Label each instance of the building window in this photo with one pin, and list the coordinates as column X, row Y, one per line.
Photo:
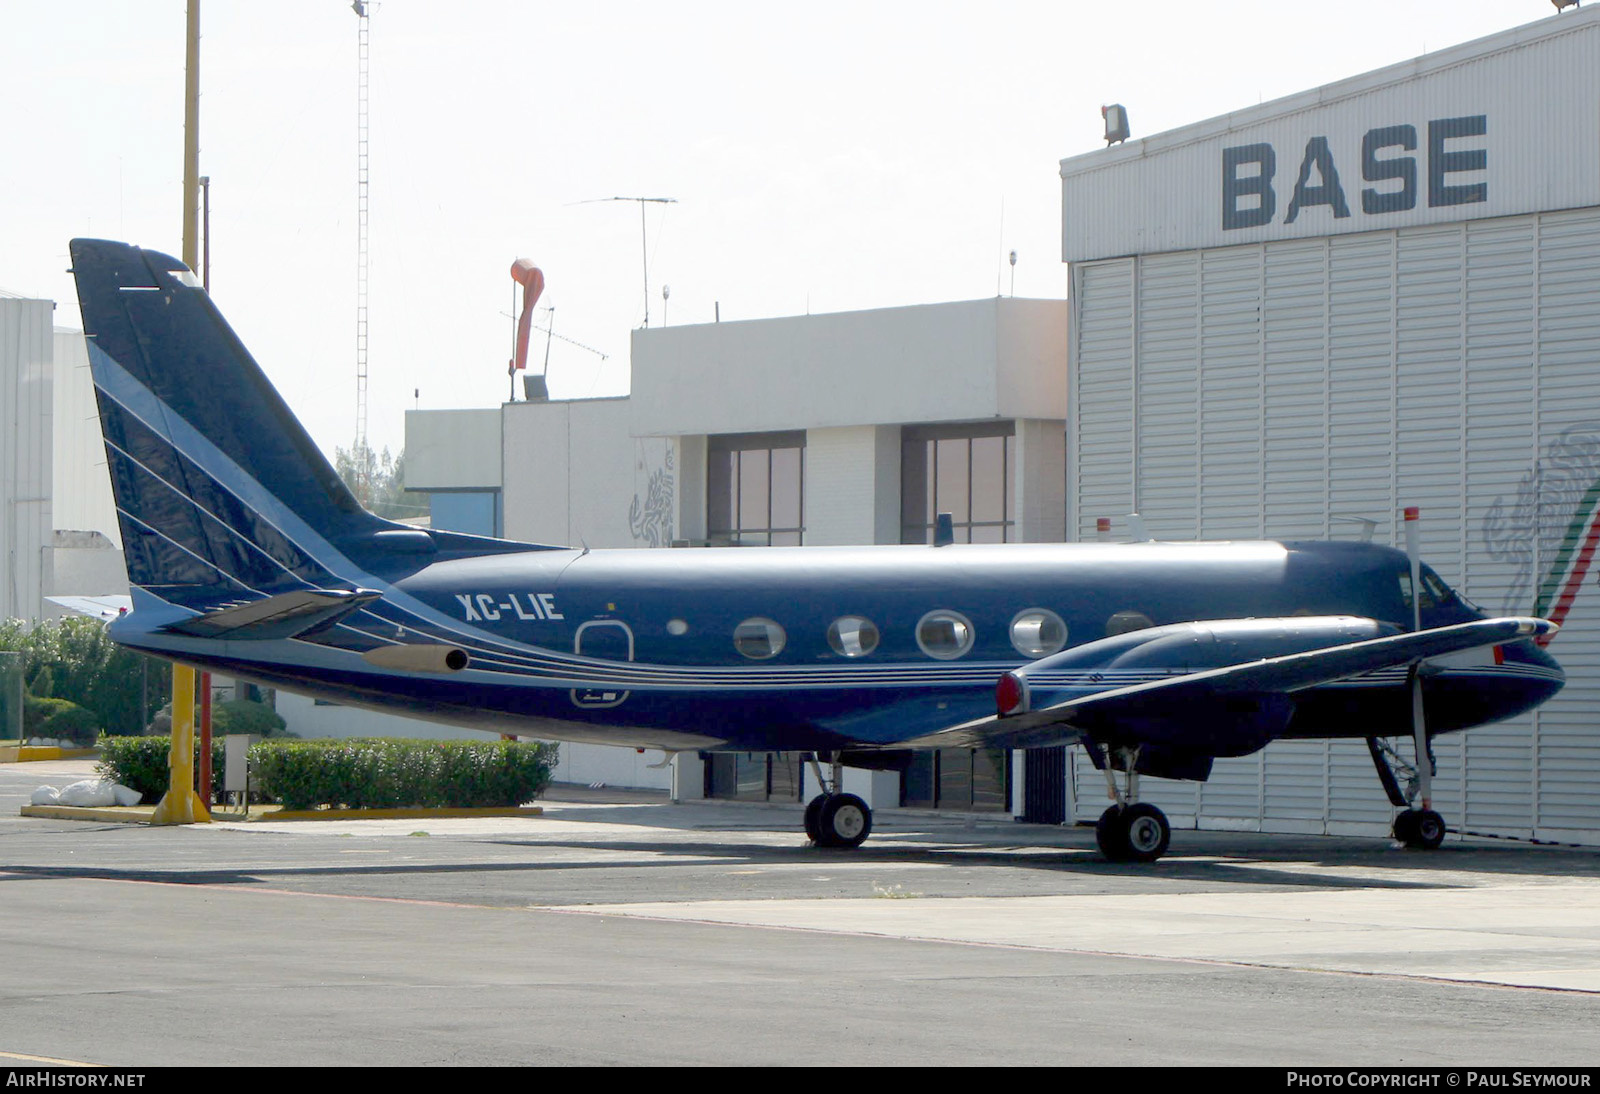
column 976, row 779
column 755, row 489
column 474, row 511
column 753, row 776
column 968, row 471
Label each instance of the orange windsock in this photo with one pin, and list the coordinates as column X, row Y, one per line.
column 531, row 278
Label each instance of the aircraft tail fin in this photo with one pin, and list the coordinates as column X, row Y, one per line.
column 217, row 486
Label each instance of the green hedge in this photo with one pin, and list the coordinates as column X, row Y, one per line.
column 141, row 763
column 387, row 774
column 355, row 774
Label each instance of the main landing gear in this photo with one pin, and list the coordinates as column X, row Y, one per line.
column 1131, row 830
column 1422, row 828
column 835, row 819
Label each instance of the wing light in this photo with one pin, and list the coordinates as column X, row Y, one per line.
column 1010, row 695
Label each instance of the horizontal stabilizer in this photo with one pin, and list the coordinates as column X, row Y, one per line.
column 281, row 616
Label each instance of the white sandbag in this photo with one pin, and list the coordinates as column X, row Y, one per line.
column 89, row 792
column 45, row 795
column 126, row 795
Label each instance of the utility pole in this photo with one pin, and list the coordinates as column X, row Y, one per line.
column 180, row 804
column 191, row 139
column 363, row 12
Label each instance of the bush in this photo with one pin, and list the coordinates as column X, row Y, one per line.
column 233, row 716
column 73, row 725
column 356, row 774
column 378, row 774
column 75, row 659
column 246, row 716
column 142, row 764
column 37, row 713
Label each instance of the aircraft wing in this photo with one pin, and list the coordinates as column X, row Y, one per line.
column 1255, row 692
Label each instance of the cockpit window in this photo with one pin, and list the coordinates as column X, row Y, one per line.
column 1434, row 591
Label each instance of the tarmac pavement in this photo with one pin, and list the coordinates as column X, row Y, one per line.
column 619, row 928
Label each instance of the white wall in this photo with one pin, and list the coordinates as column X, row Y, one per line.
column 25, row 456
column 1536, row 88
column 81, row 491
column 852, row 485
column 574, row 476
column 996, row 358
column 1040, row 485
column 452, row 449
column 84, row 564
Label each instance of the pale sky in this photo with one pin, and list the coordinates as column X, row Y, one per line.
column 824, row 157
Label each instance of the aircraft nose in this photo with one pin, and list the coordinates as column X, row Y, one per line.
column 1541, row 672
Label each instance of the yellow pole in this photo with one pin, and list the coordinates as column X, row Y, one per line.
column 180, row 804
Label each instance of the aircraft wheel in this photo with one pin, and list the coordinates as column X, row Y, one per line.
column 843, row 820
column 813, row 818
column 1148, row 832
column 1423, row 830
column 1112, row 837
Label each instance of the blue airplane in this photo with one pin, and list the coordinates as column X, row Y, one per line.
column 248, row 556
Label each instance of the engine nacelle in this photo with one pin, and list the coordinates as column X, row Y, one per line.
column 418, row 658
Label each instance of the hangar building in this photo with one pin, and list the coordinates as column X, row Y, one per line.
column 1379, row 293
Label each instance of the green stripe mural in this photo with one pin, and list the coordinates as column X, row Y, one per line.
column 1558, row 501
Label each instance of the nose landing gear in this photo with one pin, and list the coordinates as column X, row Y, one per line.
column 1422, row 829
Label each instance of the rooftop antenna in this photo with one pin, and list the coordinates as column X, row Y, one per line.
column 1013, row 273
column 643, row 239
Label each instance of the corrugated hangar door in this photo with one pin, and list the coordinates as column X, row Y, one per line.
column 1280, row 390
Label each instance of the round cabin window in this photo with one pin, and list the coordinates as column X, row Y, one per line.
column 853, row 636
column 945, row 635
column 1038, row 632
column 759, row 638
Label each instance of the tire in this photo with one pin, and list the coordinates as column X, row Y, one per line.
column 813, row 819
column 1146, row 832
column 1405, row 827
column 844, row 820
column 1112, row 836
column 1429, row 828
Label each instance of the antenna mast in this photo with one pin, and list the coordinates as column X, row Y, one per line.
column 363, row 471
column 644, row 245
